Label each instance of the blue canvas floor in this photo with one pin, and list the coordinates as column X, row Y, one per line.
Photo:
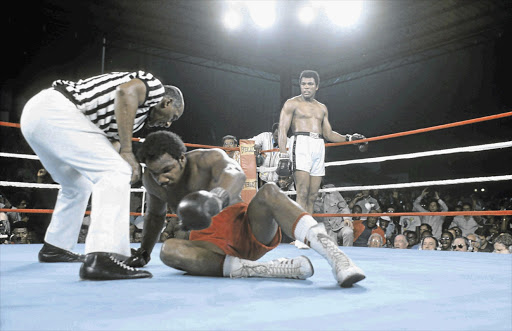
column 404, row 290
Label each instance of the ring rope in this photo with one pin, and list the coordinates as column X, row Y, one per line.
column 334, row 189
column 414, row 184
column 20, row 156
column 476, row 148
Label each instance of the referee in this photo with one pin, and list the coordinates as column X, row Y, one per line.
column 70, row 126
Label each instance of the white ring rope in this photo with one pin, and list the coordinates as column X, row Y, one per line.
column 415, row 184
column 468, row 149
column 20, row 156
column 334, row 189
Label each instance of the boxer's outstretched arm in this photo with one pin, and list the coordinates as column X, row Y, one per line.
column 155, row 213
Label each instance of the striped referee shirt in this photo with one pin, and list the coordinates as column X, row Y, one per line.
column 94, row 97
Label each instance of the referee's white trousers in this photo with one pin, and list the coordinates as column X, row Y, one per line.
column 81, row 159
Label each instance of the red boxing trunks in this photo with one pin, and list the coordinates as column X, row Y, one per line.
column 231, row 231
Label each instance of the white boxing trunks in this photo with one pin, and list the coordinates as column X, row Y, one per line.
column 307, row 153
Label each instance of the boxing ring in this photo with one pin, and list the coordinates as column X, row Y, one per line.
column 403, row 289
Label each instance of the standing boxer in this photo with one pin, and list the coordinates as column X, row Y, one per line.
column 204, row 188
column 69, row 126
column 309, row 121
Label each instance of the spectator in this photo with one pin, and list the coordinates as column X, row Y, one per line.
column 446, row 240
column 20, row 202
column 381, row 197
column 457, row 230
column 474, row 241
column 230, row 141
column 19, row 233
column 5, row 225
column 399, row 200
column 485, row 246
column 435, row 221
column 461, row 244
column 503, row 244
column 453, row 232
column 409, row 222
column 266, row 141
column 494, row 232
column 400, row 242
column 425, row 227
column 363, row 229
column 394, row 227
column 5, row 228
column 340, row 229
column 466, row 223
column 425, row 234
column 412, row 239
column 366, row 202
column 375, row 240
column 137, row 235
column 388, row 228
column 356, row 210
column 429, row 243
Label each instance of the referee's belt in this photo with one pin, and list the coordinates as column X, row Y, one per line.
column 310, row 134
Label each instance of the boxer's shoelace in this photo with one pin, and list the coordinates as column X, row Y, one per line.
column 340, row 260
column 121, row 264
column 285, row 268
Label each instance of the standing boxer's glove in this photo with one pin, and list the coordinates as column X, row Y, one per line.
column 363, row 147
column 196, row 209
column 139, row 258
column 284, row 167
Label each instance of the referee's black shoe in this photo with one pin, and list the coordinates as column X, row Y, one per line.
column 103, row 266
column 50, row 253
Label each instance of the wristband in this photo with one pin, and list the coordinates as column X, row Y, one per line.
column 222, row 194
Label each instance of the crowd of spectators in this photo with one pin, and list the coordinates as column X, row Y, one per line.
column 465, row 233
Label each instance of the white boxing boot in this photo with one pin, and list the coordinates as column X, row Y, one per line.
column 313, row 234
column 296, row 268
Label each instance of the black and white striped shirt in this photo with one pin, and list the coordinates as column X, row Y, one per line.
column 95, row 98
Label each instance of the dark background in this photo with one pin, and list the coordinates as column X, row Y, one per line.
column 406, row 65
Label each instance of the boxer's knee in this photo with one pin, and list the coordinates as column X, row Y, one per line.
column 174, row 253
column 270, row 195
column 268, row 191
